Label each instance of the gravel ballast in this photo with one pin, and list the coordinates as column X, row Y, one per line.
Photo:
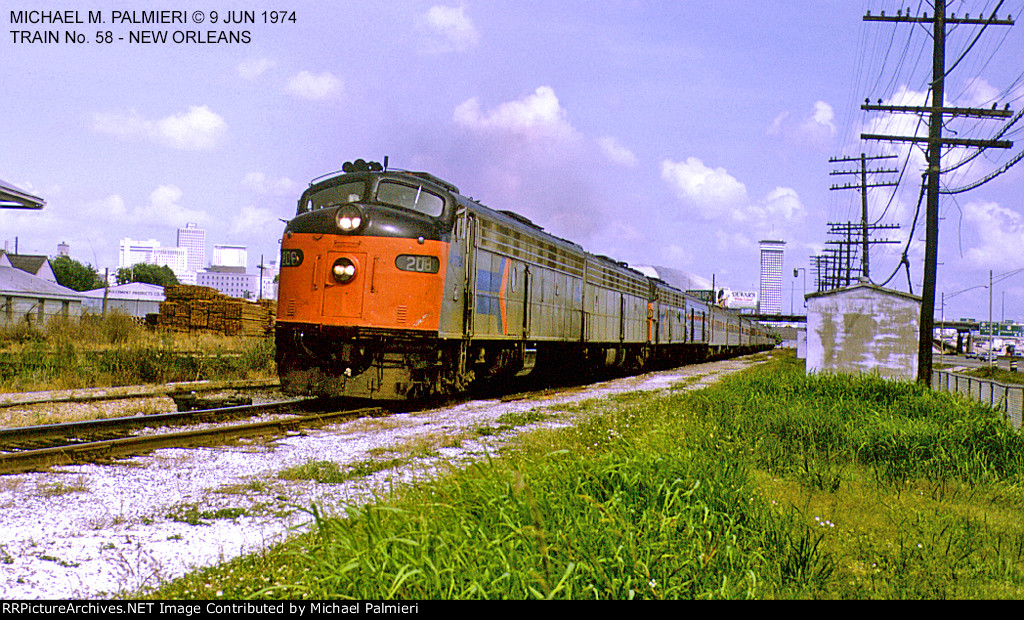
column 93, row 531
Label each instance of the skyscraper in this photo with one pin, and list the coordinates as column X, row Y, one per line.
column 193, row 239
column 771, row 276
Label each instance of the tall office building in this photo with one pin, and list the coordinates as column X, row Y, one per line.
column 193, row 239
column 771, row 276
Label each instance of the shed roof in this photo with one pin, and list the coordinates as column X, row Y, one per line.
column 27, row 262
column 17, row 282
column 13, row 198
column 867, row 286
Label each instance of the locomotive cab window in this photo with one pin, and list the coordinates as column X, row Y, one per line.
column 334, row 196
column 414, row 198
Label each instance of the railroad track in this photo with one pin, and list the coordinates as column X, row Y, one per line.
column 76, row 442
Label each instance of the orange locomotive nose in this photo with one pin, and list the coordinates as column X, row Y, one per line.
column 370, row 282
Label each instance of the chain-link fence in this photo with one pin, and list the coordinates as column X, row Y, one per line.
column 1008, row 399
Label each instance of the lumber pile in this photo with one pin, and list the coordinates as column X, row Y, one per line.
column 203, row 309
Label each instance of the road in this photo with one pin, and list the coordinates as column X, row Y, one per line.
column 1002, row 362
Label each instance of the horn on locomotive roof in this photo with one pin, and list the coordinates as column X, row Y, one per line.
column 361, row 165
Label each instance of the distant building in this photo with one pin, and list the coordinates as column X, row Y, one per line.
column 682, row 280
column 133, row 252
column 193, row 239
column 230, row 256
column 150, row 252
column 269, row 273
column 232, row 281
column 772, row 253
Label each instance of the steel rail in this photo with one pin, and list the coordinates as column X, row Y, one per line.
column 71, row 429
column 103, row 451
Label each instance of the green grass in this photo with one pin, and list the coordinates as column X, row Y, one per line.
column 997, row 374
column 329, row 472
column 115, row 350
column 769, row 484
column 193, row 515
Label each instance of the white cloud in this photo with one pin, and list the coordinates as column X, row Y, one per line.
column 712, row 190
column 199, row 129
column 261, row 184
column 816, row 129
column 254, row 68
column 163, row 209
column 538, row 115
column 673, row 254
column 112, row 206
column 778, row 124
column 251, row 220
column 449, row 30
column 784, row 203
column 717, row 195
column 617, row 153
column 315, row 87
column 999, row 229
column 821, row 119
column 734, row 242
column 979, row 93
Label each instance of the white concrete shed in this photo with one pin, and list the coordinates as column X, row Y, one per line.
column 863, row 329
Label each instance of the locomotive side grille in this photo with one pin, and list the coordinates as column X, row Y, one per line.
column 402, row 314
column 291, row 307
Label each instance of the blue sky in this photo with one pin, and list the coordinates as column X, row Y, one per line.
column 675, row 133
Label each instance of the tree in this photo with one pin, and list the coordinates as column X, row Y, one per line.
column 74, row 275
column 150, row 274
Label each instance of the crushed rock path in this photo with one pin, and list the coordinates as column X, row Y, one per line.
column 91, row 531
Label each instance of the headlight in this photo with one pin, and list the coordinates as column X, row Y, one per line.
column 343, row 270
column 349, row 218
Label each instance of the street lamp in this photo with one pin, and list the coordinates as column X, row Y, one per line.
column 796, row 271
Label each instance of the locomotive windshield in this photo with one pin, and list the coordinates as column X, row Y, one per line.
column 412, row 197
column 352, row 191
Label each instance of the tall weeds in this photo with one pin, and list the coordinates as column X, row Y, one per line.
column 116, row 350
column 768, row 485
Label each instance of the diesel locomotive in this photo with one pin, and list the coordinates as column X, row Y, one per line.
column 394, row 286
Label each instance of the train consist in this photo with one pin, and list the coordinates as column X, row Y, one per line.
column 394, row 286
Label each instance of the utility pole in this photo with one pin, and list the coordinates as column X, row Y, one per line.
column 936, row 112
column 865, row 263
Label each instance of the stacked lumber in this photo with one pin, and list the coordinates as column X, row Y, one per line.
column 203, row 309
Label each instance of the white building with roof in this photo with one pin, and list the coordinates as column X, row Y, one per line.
column 29, row 299
column 134, row 299
column 863, row 328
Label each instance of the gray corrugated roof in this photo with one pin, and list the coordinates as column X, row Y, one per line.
column 17, row 282
column 13, row 198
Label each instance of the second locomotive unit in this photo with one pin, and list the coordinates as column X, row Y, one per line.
column 395, row 286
